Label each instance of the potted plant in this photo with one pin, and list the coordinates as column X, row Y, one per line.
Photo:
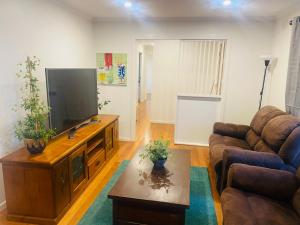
column 157, row 151
column 32, row 129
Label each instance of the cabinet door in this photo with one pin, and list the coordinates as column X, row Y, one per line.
column 116, row 135
column 77, row 168
column 111, row 138
column 109, row 134
column 62, row 185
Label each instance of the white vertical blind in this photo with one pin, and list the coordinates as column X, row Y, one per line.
column 201, row 65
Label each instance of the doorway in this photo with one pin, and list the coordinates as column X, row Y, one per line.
column 140, row 76
column 144, row 79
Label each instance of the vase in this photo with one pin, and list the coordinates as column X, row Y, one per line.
column 35, row 146
column 159, row 164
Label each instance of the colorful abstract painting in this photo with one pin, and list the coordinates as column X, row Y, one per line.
column 112, row 68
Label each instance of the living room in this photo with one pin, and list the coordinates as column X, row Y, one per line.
column 180, row 71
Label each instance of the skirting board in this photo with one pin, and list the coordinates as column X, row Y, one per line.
column 2, row 205
column 162, row 122
column 190, row 143
column 125, row 139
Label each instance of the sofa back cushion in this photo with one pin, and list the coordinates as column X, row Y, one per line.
column 278, row 129
column 263, row 116
column 290, row 150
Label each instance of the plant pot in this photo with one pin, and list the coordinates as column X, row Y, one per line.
column 35, row 146
column 159, row 164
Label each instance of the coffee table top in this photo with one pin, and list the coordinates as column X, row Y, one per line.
column 170, row 186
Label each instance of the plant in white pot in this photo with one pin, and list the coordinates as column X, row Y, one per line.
column 158, row 152
column 32, row 129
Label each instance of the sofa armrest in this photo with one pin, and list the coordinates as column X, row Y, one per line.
column 232, row 130
column 262, row 159
column 276, row 184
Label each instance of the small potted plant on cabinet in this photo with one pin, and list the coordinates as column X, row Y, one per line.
column 157, row 151
column 32, row 129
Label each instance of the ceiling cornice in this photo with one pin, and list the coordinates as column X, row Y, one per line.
column 185, row 19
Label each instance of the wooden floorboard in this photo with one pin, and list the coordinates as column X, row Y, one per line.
column 145, row 132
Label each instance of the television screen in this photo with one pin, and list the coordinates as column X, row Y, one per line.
column 72, row 97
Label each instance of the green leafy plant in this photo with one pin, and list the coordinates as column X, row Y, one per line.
column 33, row 126
column 101, row 104
column 156, row 150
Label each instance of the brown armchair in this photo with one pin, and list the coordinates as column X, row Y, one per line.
column 257, row 195
column 272, row 140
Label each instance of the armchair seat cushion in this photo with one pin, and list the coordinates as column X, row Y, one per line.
column 216, row 139
column 218, row 144
column 240, row 207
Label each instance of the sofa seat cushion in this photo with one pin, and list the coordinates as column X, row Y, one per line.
column 261, row 146
column 250, row 209
column 216, row 139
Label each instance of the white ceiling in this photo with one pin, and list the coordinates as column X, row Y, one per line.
column 166, row 9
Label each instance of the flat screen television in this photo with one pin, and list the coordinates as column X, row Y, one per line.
column 72, row 97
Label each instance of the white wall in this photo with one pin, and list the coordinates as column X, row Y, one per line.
column 47, row 29
column 63, row 38
column 247, row 41
column 281, row 50
column 164, row 85
column 148, row 57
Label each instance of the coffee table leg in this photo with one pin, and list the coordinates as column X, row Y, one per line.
column 115, row 213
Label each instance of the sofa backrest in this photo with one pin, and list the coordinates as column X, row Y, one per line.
column 263, row 116
column 275, row 131
column 281, row 135
column 290, row 150
column 259, row 121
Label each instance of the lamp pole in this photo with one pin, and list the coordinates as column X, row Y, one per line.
column 267, row 63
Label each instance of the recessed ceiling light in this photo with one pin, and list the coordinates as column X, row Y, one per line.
column 227, row 2
column 128, row 4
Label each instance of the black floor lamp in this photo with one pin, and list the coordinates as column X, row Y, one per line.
column 267, row 63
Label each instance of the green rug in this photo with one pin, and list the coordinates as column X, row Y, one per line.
column 201, row 212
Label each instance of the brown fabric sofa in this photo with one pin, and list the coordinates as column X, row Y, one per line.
column 272, row 140
column 257, row 195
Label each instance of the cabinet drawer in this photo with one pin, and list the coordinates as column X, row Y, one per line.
column 96, row 163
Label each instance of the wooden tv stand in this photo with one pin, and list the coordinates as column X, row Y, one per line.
column 40, row 188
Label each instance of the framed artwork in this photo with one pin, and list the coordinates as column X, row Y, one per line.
column 112, row 68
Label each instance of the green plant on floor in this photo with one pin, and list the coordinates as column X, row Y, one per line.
column 156, row 150
column 33, row 125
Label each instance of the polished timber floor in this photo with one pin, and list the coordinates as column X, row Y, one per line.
column 145, row 132
column 201, row 209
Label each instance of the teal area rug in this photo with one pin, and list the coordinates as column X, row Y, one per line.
column 201, row 212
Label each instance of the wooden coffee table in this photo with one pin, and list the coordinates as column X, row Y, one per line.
column 142, row 196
